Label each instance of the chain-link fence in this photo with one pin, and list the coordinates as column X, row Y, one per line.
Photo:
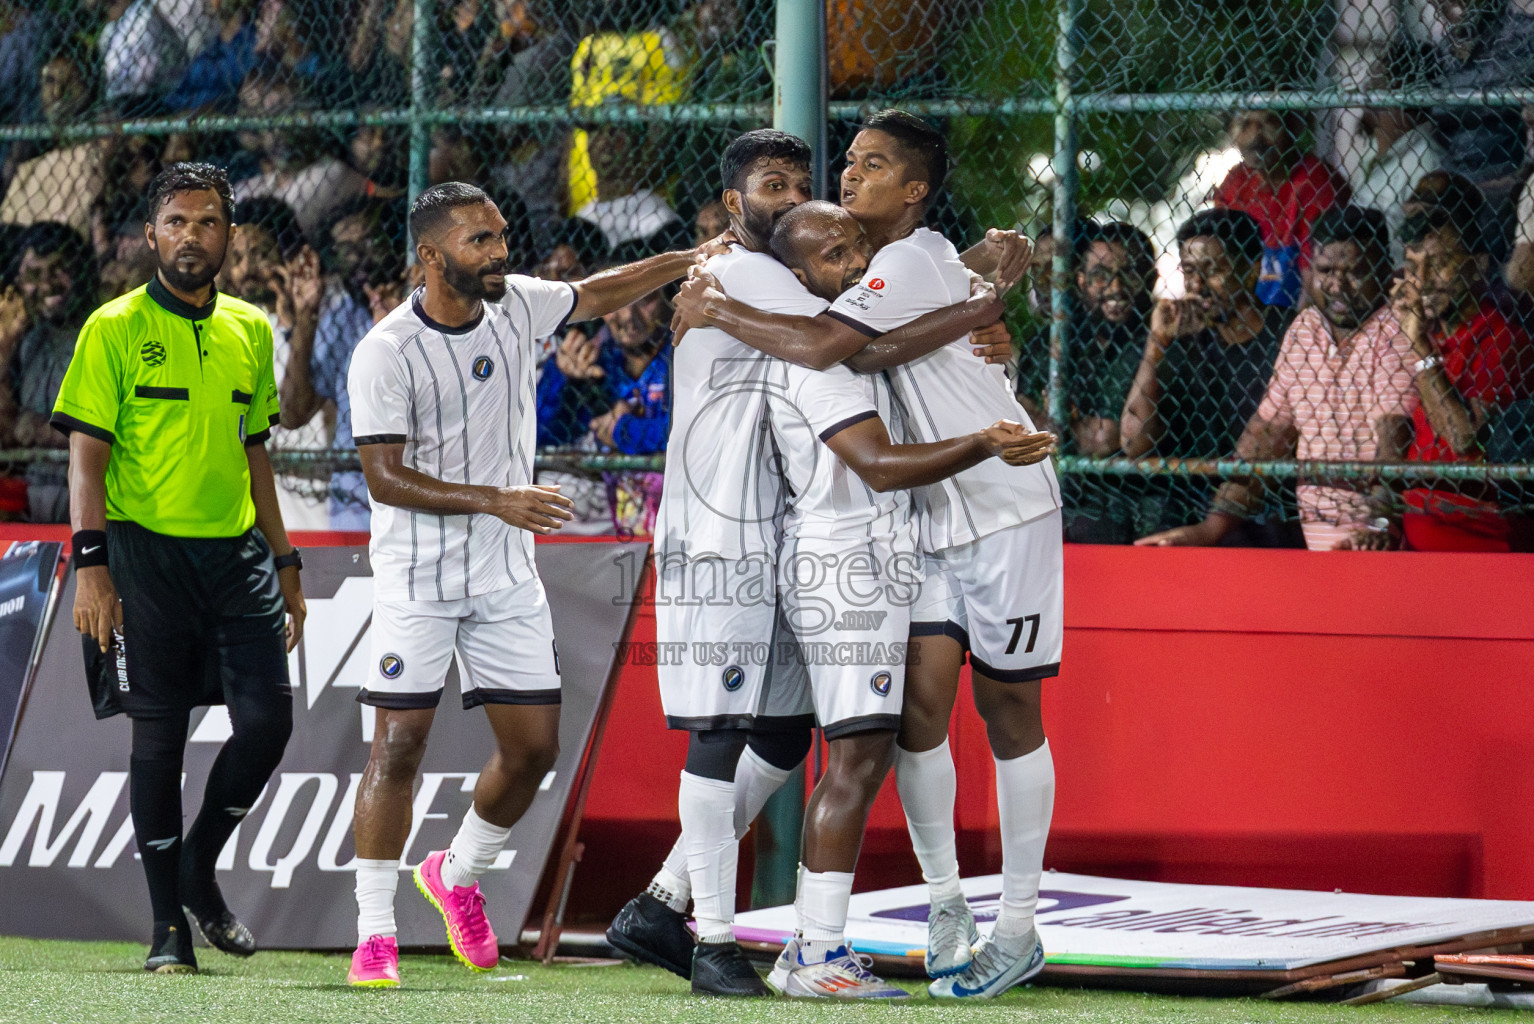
column 1280, row 373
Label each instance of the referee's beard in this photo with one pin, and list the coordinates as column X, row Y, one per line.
column 471, row 283
column 201, row 269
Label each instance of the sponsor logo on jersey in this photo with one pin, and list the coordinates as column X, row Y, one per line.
column 153, row 353
column 483, row 368
column 877, row 284
column 733, row 678
column 390, row 666
column 865, row 297
column 881, row 683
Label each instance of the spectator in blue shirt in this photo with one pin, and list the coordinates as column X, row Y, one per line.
column 213, row 78
column 615, row 383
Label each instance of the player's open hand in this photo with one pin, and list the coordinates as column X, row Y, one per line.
column 690, row 307
column 1199, row 535
column 537, row 508
column 1016, row 445
column 714, row 247
column 993, row 343
column 97, row 609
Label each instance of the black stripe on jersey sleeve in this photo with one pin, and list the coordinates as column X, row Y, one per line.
column 841, row 425
column 379, row 439
column 240, row 397
column 575, row 298
column 67, row 424
column 260, row 438
column 843, row 318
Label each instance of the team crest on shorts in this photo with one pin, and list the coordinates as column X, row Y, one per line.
column 390, row 666
column 733, row 678
column 484, row 366
column 881, row 683
column 153, row 353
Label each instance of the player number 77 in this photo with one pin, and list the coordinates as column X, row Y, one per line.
column 1017, row 632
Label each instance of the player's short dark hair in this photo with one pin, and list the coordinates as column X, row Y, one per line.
column 923, row 148
column 786, row 232
column 1361, row 225
column 762, row 144
column 190, row 176
column 276, row 218
column 431, row 208
column 1142, row 254
column 1237, row 232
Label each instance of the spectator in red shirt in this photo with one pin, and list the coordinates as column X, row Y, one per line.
column 1285, row 190
column 1473, row 359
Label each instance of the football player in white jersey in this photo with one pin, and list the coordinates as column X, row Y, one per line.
column 442, row 394
column 717, row 538
column 848, row 574
column 994, row 583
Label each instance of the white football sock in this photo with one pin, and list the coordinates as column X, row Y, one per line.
column 822, row 903
column 671, row 885
column 1025, row 797
column 707, row 810
column 474, row 849
column 755, row 782
column 928, row 787
column 376, row 883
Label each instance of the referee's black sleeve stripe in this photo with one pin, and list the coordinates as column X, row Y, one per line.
column 67, row 424
column 260, row 438
column 274, row 419
column 841, row 425
column 843, row 318
column 379, row 439
column 242, row 397
column 170, row 394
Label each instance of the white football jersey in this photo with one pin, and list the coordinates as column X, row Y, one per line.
column 462, row 401
column 826, row 498
column 722, row 494
column 947, row 393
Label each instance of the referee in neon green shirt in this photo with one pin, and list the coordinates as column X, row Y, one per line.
column 168, row 403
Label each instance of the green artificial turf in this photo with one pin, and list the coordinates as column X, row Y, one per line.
column 84, row 982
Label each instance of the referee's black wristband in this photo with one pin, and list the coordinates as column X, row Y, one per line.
column 90, row 548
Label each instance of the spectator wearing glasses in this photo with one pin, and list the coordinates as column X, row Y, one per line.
column 1341, row 391
column 1115, row 269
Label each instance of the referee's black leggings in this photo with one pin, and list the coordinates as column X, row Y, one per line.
column 183, row 873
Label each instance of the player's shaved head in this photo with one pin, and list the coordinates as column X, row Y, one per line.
column 823, row 245
column 432, row 211
column 801, row 229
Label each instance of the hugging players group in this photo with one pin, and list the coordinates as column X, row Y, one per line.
column 848, row 574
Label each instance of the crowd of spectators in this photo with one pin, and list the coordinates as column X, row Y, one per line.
column 1382, row 318
column 1377, row 314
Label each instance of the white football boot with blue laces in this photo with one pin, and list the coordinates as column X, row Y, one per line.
column 992, row 972
column 843, row 975
column 951, row 938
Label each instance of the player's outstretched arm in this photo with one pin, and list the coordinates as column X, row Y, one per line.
column 536, row 508
column 865, row 446
column 820, row 342
column 610, row 290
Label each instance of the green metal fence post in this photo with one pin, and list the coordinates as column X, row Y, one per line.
column 420, row 100
column 798, row 107
column 1067, row 185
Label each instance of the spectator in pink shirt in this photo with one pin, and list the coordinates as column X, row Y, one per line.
column 1342, row 390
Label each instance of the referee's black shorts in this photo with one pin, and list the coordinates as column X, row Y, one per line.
column 203, row 623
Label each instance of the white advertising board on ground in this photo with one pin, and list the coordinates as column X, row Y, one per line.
column 1113, row 923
